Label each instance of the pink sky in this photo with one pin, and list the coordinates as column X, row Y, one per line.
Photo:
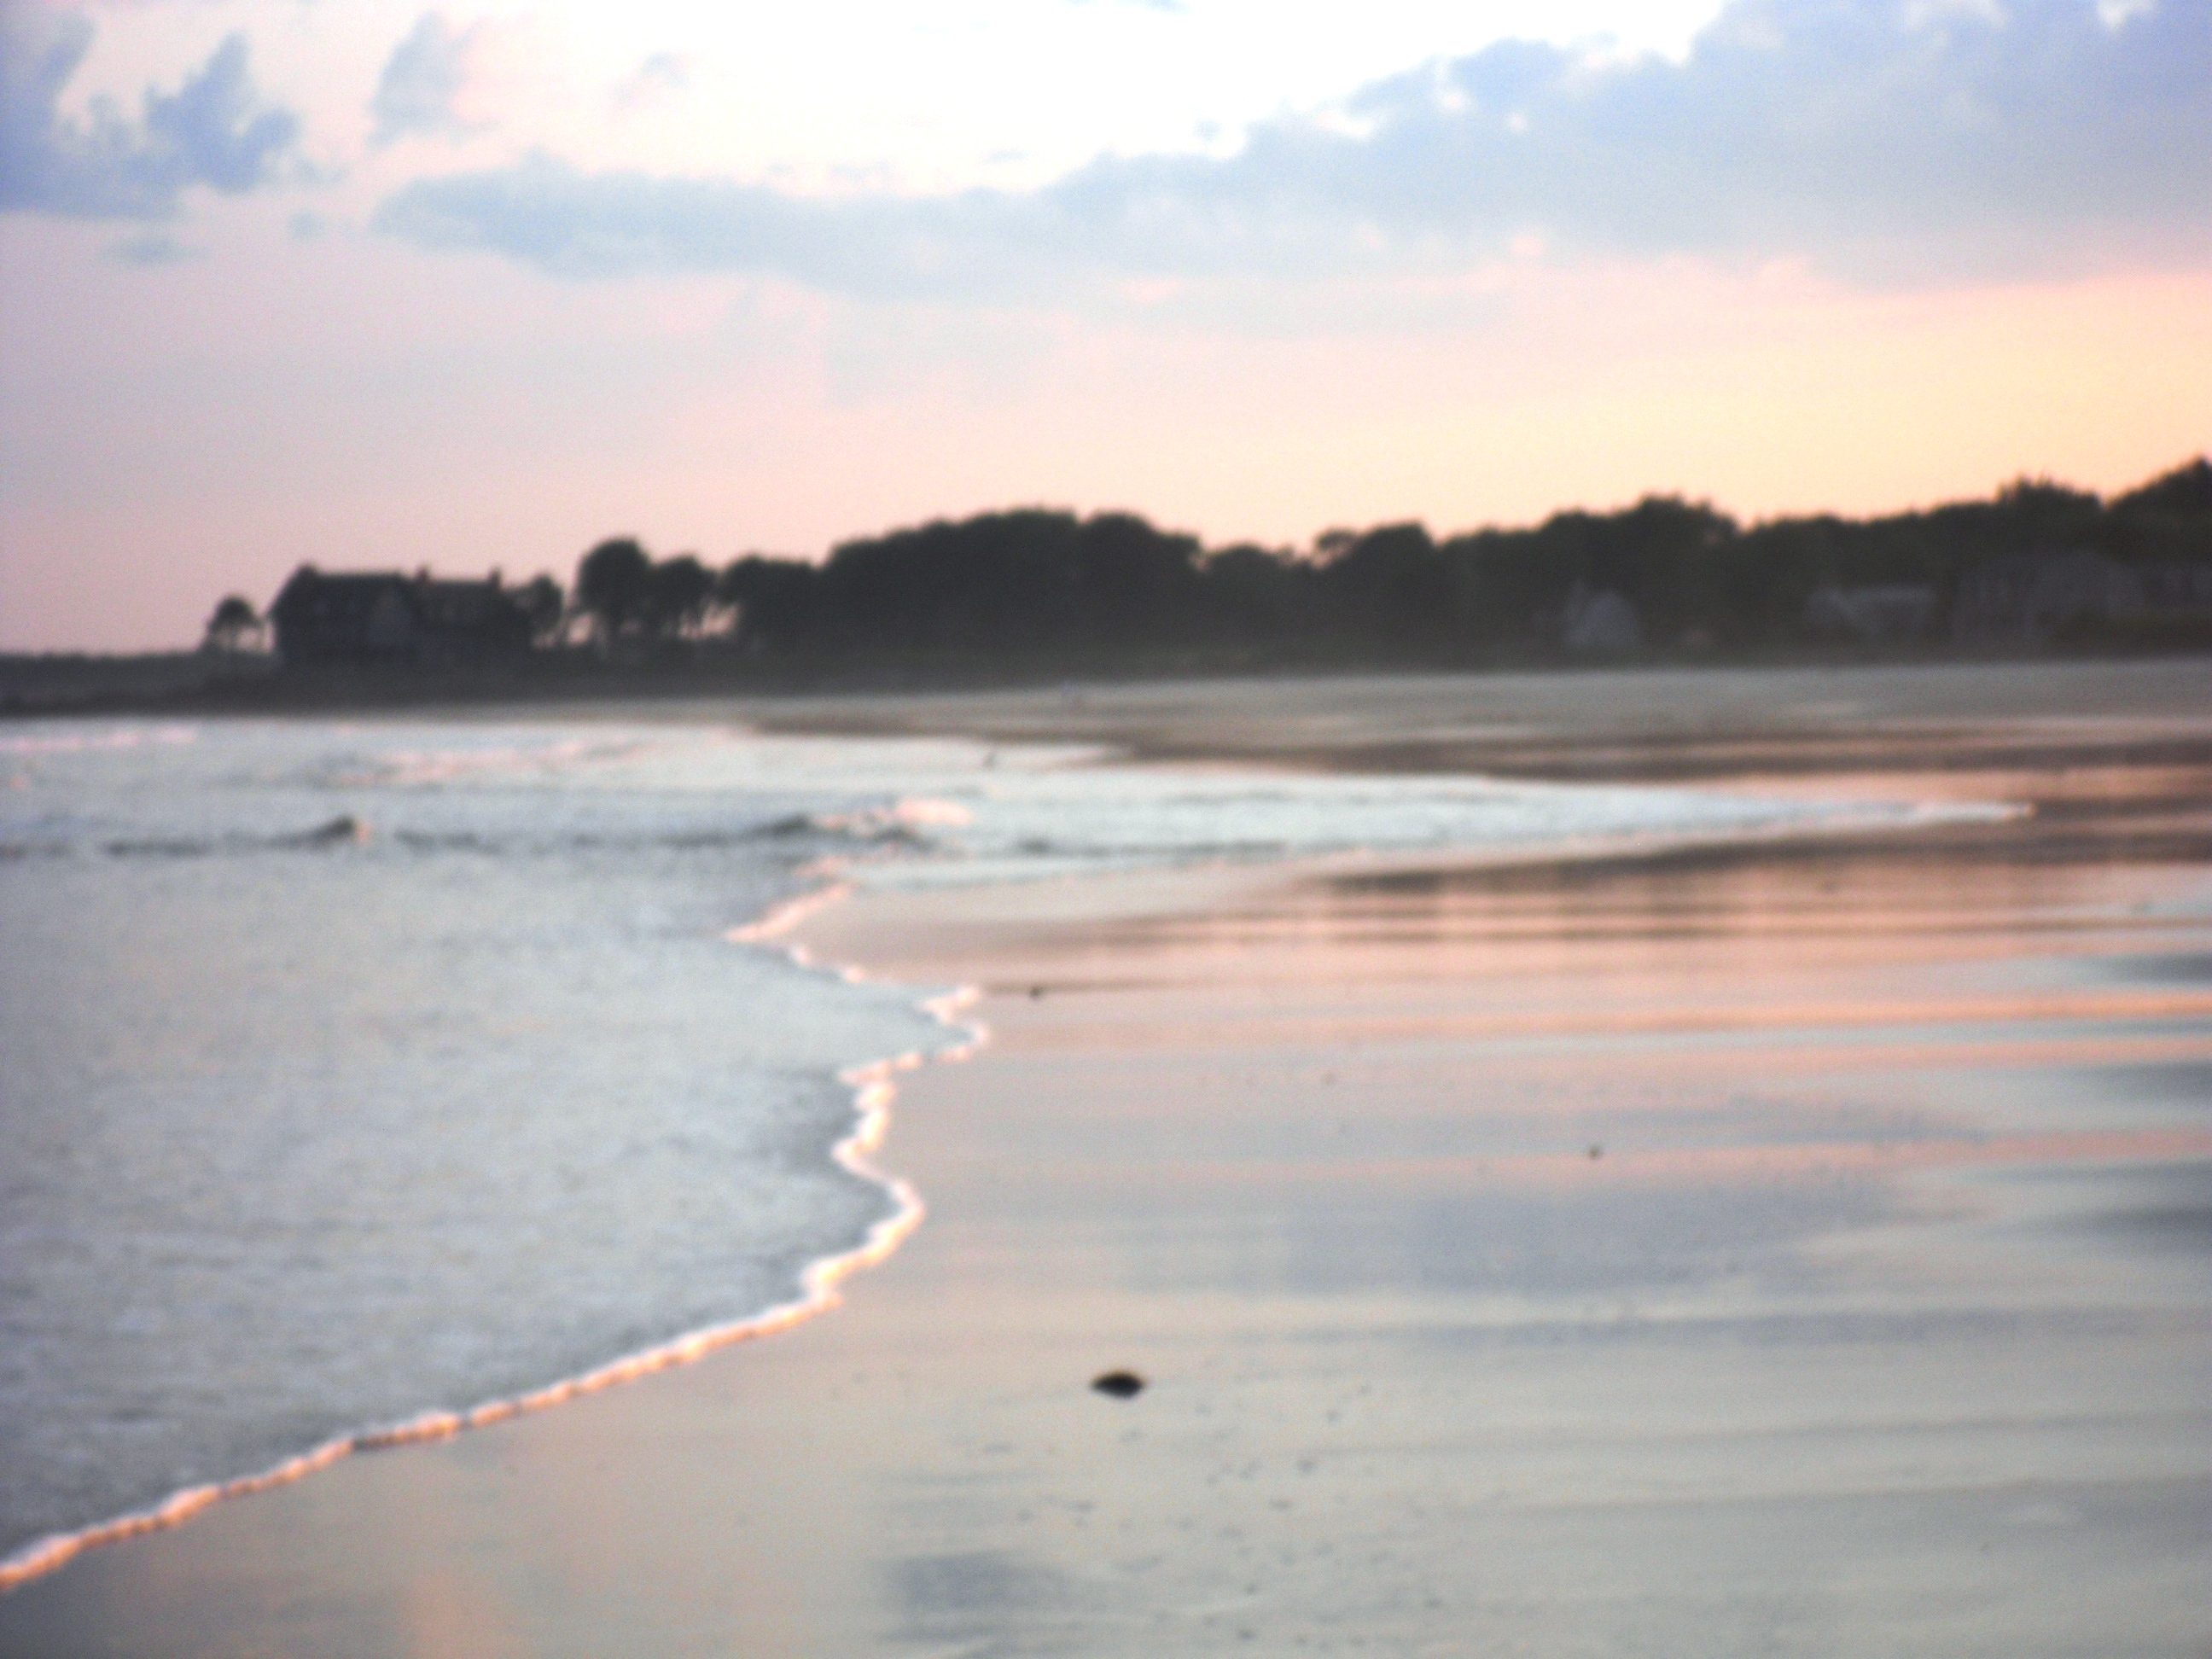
column 499, row 334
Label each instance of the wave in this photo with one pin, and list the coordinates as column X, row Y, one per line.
column 344, row 830
column 906, row 821
column 430, row 768
column 13, row 851
column 780, row 919
column 897, row 826
column 873, row 1091
column 78, row 742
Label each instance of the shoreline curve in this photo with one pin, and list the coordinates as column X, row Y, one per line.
column 873, row 1091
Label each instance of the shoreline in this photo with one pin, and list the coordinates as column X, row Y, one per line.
column 887, row 932
column 1682, row 701
column 873, row 1091
column 41, row 685
column 902, row 934
column 787, row 926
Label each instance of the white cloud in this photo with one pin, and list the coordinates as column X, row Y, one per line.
column 661, row 75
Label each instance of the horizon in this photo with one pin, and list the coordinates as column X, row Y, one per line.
column 1308, row 549
column 408, row 285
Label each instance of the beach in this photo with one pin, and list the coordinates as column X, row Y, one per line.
column 1793, row 1244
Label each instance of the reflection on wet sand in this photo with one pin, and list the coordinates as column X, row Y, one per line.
column 1736, row 1018
column 1762, row 1249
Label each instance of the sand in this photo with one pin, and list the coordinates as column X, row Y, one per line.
column 1787, row 1249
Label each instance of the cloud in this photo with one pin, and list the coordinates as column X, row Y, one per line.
column 543, row 211
column 660, row 75
column 419, row 91
column 153, row 247
column 1879, row 140
column 213, row 130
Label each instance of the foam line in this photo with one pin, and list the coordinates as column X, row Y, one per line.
column 873, row 1091
column 780, row 919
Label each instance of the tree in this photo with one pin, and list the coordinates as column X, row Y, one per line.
column 1388, row 584
column 234, row 622
column 2186, row 490
column 1134, row 582
column 614, row 582
column 1256, row 595
column 779, row 602
column 678, row 593
column 543, row 602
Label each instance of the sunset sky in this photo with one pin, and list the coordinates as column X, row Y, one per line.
column 356, row 283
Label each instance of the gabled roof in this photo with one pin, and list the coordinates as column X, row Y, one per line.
column 310, row 591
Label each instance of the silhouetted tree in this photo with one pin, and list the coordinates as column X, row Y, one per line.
column 2186, row 490
column 1389, row 585
column 778, row 601
column 613, row 583
column 234, row 622
column 541, row 601
column 1029, row 584
column 997, row 582
column 2166, row 521
column 678, row 593
column 1252, row 596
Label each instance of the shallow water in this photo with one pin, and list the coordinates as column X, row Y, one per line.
column 350, row 1071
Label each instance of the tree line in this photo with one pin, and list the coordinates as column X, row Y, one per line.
column 1042, row 584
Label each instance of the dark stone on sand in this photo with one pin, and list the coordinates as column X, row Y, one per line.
column 344, row 830
column 1119, row 1385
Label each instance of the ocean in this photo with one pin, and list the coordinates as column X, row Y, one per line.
column 361, row 1078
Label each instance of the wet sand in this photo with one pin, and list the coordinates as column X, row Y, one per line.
column 1784, row 1249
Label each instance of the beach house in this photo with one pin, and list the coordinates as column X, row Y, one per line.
column 363, row 618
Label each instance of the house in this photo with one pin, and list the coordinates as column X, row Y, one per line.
column 363, row 618
column 1895, row 611
column 2174, row 589
column 1600, row 622
column 2032, row 596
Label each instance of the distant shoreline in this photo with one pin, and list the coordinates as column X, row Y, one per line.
column 197, row 683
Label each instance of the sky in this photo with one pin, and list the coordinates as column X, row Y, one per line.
column 367, row 285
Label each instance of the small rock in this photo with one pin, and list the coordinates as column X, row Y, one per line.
column 1119, row 1385
column 343, row 830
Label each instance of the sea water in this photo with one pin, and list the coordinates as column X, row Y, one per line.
column 362, row 1073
